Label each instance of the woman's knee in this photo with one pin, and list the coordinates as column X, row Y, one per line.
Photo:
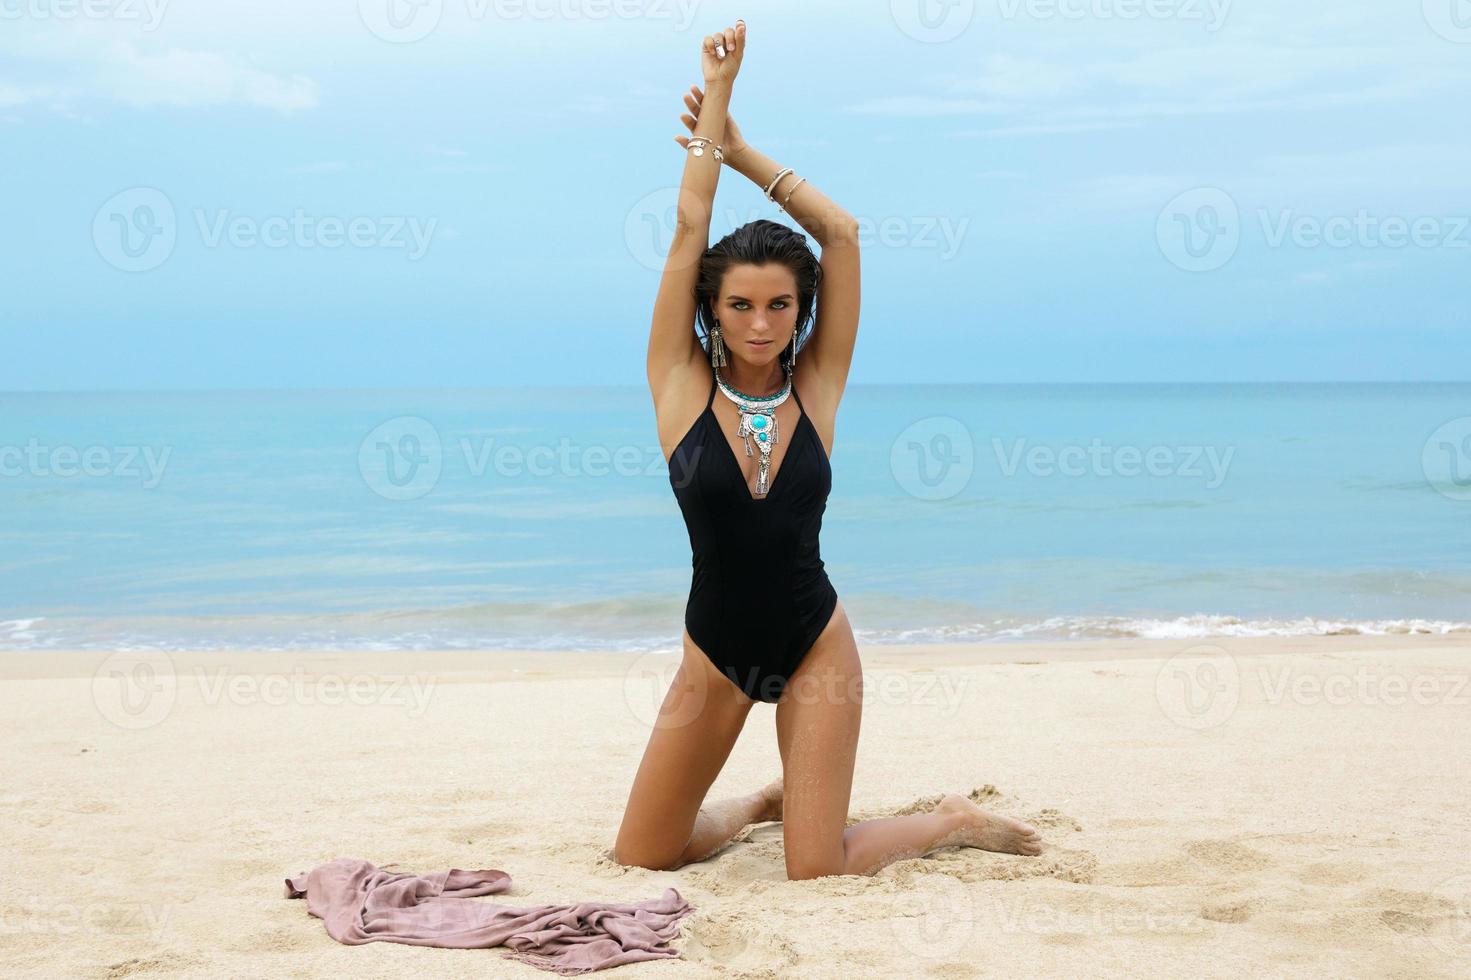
column 804, row 868
column 648, row 858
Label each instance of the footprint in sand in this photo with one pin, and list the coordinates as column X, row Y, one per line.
column 1228, row 856
column 736, row 943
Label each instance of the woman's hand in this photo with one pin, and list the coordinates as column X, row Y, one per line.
column 731, row 145
column 722, row 65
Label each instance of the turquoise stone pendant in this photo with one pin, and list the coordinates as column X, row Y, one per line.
column 762, row 425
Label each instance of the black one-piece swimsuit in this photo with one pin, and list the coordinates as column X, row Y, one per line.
column 759, row 594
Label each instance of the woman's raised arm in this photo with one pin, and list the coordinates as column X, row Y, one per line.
column 672, row 341
column 829, row 354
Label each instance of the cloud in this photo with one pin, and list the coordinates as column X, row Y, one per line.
column 11, row 95
column 199, row 78
column 1083, row 86
column 59, row 69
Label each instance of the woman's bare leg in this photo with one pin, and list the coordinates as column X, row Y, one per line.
column 666, row 823
column 818, row 718
column 874, row 844
column 718, row 822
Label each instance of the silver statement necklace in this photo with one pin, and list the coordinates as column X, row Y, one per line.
column 758, row 421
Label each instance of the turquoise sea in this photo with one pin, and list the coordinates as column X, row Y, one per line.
column 543, row 517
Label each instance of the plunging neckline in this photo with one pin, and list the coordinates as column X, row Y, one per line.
column 730, row 454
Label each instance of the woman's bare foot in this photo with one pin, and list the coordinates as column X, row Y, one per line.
column 770, row 796
column 986, row 830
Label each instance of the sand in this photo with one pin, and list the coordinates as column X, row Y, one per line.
column 1220, row 808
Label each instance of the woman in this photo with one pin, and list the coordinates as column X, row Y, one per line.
column 751, row 473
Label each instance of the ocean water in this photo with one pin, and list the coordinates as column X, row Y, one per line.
column 543, row 518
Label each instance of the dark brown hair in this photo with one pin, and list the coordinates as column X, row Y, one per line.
column 759, row 242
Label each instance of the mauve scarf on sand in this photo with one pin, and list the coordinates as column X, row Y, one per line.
column 359, row 904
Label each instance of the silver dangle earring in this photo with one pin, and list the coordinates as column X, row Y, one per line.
column 717, row 347
column 793, row 362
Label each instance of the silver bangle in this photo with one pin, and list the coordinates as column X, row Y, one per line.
column 775, row 180
column 788, row 199
column 696, row 145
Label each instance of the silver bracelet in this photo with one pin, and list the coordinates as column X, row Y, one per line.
column 774, row 181
column 696, row 146
column 782, row 207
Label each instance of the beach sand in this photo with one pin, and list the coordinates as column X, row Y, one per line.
column 1228, row 807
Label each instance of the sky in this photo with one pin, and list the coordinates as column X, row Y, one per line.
column 449, row 193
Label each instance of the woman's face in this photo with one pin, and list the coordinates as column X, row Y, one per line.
column 757, row 310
